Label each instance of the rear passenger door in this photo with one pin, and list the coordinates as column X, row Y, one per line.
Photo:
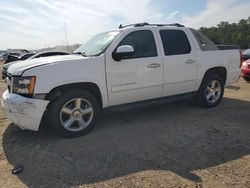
column 180, row 63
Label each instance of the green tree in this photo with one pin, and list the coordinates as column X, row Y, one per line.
column 230, row 34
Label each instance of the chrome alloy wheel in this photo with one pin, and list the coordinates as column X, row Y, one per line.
column 213, row 91
column 76, row 114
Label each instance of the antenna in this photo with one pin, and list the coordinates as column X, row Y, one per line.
column 66, row 34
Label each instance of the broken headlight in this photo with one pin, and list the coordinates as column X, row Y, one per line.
column 24, row 85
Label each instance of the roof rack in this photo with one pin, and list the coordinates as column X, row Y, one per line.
column 147, row 24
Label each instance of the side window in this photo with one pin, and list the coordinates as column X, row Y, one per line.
column 175, row 42
column 52, row 54
column 204, row 43
column 43, row 55
column 143, row 43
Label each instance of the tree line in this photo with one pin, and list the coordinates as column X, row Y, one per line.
column 230, row 34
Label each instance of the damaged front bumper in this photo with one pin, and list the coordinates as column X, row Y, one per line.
column 24, row 112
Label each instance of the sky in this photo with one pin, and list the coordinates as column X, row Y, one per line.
column 34, row 24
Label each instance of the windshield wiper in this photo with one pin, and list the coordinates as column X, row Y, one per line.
column 81, row 53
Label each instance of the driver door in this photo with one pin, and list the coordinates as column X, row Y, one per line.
column 137, row 77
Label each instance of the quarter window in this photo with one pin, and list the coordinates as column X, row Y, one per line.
column 175, row 42
column 143, row 43
column 204, row 43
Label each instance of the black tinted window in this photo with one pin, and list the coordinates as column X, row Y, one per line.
column 40, row 55
column 52, row 54
column 175, row 42
column 143, row 43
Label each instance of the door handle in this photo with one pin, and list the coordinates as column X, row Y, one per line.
column 154, row 65
column 190, row 61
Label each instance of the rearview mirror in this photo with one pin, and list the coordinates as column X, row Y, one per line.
column 123, row 52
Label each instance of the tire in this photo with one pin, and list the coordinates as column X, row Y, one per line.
column 211, row 91
column 246, row 79
column 74, row 113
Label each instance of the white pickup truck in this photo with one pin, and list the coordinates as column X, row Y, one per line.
column 131, row 65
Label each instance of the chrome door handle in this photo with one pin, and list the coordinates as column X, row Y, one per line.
column 190, row 61
column 154, row 65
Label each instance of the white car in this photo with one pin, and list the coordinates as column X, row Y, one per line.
column 138, row 64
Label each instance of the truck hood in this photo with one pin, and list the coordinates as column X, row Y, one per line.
column 19, row 67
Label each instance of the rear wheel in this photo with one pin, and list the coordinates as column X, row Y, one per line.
column 74, row 113
column 211, row 91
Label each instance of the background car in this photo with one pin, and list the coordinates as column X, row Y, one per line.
column 46, row 54
column 26, row 56
column 10, row 58
column 246, row 55
column 5, row 55
column 38, row 55
column 1, row 55
column 245, row 70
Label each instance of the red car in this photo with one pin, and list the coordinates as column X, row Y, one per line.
column 245, row 70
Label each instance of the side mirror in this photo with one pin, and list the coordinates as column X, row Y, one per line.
column 123, row 52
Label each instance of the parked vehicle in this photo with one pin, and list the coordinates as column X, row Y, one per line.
column 15, row 52
column 134, row 65
column 10, row 58
column 1, row 55
column 245, row 70
column 10, row 53
column 31, row 56
column 26, row 56
column 48, row 53
column 246, row 55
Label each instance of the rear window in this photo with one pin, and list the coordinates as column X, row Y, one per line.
column 175, row 42
column 205, row 43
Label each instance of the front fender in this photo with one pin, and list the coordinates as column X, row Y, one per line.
column 52, row 76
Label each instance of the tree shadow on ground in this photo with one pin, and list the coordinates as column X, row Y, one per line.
column 177, row 137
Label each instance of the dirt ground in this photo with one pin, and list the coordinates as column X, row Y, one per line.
column 169, row 145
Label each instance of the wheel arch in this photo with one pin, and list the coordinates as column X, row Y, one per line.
column 220, row 70
column 87, row 86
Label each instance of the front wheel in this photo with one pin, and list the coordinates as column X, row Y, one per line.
column 74, row 113
column 211, row 91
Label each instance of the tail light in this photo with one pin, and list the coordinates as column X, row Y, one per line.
column 241, row 58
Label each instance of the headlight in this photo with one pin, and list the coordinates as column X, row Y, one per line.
column 24, row 85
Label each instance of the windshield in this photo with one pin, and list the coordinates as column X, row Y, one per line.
column 98, row 44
